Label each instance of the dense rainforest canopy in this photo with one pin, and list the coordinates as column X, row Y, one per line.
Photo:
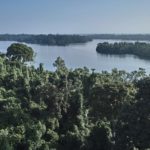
column 72, row 109
column 139, row 49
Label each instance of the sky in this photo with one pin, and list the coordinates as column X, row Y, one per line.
column 74, row 16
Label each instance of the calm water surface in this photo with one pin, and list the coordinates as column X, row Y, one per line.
column 80, row 55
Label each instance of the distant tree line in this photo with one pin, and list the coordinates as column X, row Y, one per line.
column 71, row 109
column 64, row 39
column 45, row 39
column 138, row 48
column 135, row 37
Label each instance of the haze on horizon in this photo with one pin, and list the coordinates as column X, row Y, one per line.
column 74, row 16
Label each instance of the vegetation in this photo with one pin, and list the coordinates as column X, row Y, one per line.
column 139, row 49
column 20, row 52
column 57, row 39
column 72, row 109
column 135, row 37
column 46, row 39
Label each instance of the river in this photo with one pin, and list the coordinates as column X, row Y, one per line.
column 80, row 55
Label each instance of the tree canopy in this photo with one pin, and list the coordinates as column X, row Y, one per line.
column 18, row 51
column 43, row 39
column 139, row 49
column 72, row 109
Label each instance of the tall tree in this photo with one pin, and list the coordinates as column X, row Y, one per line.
column 21, row 52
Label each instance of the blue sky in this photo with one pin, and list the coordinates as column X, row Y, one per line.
column 74, row 16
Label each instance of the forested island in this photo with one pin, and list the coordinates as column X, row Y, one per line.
column 139, row 49
column 71, row 109
column 42, row 39
column 64, row 39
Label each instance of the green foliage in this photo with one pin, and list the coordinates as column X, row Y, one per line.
column 49, row 39
column 72, row 109
column 133, row 37
column 139, row 49
column 21, row 52
column 99, row 138
column 4, row 140
column 134, row 121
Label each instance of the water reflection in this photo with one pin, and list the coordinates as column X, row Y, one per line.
column 80, row 55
